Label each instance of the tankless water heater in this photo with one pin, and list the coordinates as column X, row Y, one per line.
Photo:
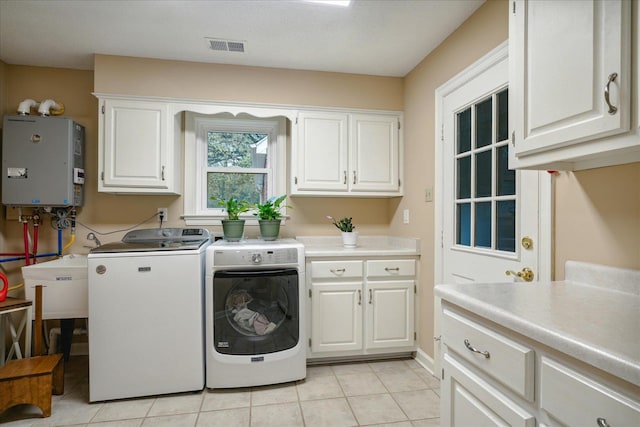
column 42, row 161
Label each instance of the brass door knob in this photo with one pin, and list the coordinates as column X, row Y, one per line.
column 527, row 242
column 526, row 274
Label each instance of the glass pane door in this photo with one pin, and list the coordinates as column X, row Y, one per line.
column 485, row 199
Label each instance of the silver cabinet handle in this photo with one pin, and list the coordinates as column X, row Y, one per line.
column 345, row 177
column 337, row 270
column 602, row 422
column 359, row 297
column 612, row 108
column 370, row 296
column 390, row 269
column 163, row 173
column 486, row 354
column 354, row 177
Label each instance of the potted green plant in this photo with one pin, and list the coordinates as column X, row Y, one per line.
column 269, row 217
column 233, row 226
column 346, row 227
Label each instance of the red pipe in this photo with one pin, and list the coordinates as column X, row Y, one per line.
column 36, row 226
column 25, row 232
column 12, row 254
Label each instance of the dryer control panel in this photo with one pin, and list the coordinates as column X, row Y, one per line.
column 247, row 257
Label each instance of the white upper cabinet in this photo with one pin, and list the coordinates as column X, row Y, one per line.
column 374, row 154
column 571, row 105
column 137, row 151
column 322, row 152
column 347, row 154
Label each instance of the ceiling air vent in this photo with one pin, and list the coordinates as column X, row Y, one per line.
column 226, row 45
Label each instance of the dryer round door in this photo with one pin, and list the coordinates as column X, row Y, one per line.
column 256, row 312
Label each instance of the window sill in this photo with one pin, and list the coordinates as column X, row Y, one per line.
column 199, row 220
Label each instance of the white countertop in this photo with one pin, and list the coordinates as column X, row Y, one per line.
column 595, row 324
column 331, row 246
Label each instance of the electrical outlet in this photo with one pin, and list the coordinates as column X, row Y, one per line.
column 163, row 214
column 406, row 216
column 12, row 213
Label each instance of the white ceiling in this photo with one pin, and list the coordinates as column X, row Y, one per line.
column 377, row 37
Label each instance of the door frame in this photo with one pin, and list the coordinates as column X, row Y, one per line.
column 545, row 193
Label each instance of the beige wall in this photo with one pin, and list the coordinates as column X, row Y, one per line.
column 72, row 88
column 153, row 77
column 482, row 32
column 3, row 87
column 595, row 220
column 598, row 217
column 597, row 212
column 137, row 76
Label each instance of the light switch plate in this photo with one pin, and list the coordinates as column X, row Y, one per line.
column 428, row 194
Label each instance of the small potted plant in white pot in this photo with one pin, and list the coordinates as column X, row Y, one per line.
column 233, row 226
column 269, row 217
column 349, row 236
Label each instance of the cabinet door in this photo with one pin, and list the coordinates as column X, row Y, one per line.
column 467, row 400
column 135, row 148
column 322, row 152
column 336, row 317
column 374, row 155
column 389, row 314
column 562, row 55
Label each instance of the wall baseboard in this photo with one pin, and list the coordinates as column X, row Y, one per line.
column 426, row 361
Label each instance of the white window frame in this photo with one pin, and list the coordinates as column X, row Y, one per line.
column 196, row 211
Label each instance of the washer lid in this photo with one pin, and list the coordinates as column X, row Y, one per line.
column 166, row 234
column 147, row 246
column 157, row 239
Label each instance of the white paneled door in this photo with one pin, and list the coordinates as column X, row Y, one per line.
column 490, row 225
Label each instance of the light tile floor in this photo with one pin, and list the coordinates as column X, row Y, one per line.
column 399, row 393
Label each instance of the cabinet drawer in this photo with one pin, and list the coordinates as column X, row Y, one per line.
column 576, row 400
column 391, row 268
column 498, row 356
column 335, row 269
column 468, row 400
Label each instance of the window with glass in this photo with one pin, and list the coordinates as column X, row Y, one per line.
column 241, row 157
column 485, row 201
column 237, row 166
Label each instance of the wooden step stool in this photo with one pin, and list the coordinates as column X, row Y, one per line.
column 31, row 381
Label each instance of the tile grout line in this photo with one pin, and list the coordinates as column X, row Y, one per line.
column 346, row 398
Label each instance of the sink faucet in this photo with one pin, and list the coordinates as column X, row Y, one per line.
column 93, row 237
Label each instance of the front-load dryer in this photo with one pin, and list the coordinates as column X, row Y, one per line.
column 254, row 297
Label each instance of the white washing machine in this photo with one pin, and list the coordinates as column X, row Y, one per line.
column 254, row 298
column 146, row 314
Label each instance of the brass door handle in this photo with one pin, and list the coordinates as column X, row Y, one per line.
column 526, row 274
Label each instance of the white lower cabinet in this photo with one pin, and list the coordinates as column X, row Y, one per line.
column 336, row 310
column 467, row 400
column 356, row 313
column 492, row 376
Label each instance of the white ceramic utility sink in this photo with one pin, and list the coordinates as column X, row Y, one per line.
column 64, row 295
